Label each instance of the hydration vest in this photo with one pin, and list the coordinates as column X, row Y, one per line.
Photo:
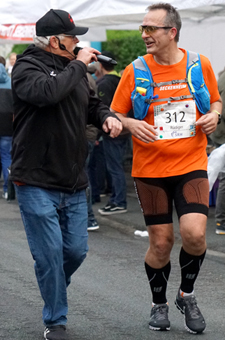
column 143, row 94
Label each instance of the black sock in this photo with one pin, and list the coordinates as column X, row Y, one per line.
column 190, row 267
column 158, row 282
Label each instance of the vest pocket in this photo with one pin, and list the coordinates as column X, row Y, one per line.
column 202, row 98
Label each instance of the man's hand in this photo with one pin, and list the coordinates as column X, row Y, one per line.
column 87, row 55
column 112, row 125
column 140, row 129
column 208, row 122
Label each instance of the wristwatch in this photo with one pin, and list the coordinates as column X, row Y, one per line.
column 219, row 116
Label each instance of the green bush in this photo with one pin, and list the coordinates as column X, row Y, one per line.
column 126, row 47
column 19, row 48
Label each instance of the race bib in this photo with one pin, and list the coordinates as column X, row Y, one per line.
column 175, row 119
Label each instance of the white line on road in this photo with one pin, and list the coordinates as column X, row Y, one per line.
column 215, row 253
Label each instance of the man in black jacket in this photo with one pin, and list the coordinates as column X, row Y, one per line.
column 53, row 103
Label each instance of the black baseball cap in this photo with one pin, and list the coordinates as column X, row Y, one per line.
column 57, row 21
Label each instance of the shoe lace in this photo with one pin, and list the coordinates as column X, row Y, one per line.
column 160, row 312
column 192, row 308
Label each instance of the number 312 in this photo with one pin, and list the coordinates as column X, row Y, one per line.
column 170, row 116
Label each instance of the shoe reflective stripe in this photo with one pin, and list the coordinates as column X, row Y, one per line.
column 117, row 208
column 112, row 210
column 108, row 206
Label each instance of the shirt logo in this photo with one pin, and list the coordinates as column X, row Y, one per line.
column 173, row 87
column 53, row 74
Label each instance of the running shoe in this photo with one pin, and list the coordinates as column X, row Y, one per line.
column 194, row 321
column 5, row 195
column 220, row 229
column 93, row 226
column 111, row 209
column 159, row 318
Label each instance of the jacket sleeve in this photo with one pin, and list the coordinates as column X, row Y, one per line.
column 37, row 87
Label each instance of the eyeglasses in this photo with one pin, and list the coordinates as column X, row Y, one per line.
column 71, row 36
column 151, row 29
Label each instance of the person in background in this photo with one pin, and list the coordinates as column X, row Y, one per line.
column 218, row 138
column 92, row 135
column 11, row 63
column 53, row 104
column 100, row 178
column 169, row 158
column 114, row 148
column 6, row 124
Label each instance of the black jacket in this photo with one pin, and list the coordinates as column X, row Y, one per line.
column 53, row 104
column 107, row 86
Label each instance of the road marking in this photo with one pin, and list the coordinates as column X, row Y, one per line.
column 215, row 253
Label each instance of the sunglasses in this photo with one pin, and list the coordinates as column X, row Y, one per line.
column 151, row 29
column 71, row 36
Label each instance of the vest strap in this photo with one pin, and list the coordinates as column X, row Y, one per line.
column 171, row 82
column 149, row 101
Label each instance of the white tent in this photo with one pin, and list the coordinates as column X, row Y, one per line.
column 203, row 20
column 103, row 12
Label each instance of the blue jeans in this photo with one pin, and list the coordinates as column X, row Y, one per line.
column 5, row 155
column 56, row 228
column 114, row 155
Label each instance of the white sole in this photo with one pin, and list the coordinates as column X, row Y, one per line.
column 111, row 212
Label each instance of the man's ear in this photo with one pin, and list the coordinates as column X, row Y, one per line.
column 53, row 42
column 173, row 33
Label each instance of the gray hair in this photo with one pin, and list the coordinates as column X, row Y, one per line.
column 43, row 42
column 172, row 16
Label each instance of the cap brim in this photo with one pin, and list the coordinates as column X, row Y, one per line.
column 78, row 30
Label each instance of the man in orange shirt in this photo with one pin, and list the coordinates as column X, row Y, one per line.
column 170, row 162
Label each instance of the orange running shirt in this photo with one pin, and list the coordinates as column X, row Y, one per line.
column 168, row 157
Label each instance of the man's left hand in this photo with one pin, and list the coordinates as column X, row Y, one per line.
column 112, row 125
column 208, row 122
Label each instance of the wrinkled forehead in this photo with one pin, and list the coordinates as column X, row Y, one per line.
column 155, row 17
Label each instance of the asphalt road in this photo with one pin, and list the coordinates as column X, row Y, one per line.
column 109, row 297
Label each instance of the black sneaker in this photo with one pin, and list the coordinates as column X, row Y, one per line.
column 55, row 332
column 194, row 321
column 220, row 229
column 159, row 318
column 112, row 209
column 93, row 226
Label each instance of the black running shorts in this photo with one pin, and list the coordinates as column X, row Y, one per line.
column 189, row 192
